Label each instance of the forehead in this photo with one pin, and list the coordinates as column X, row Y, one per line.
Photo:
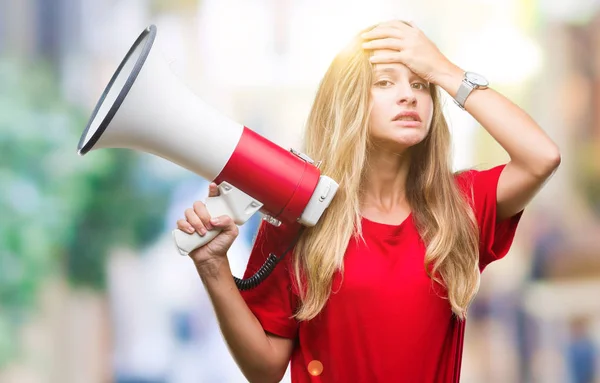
column 393, row 69
column 386, row 68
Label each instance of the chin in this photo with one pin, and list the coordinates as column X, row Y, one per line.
column 408, row 140
column 398, row 140
column 396, row 146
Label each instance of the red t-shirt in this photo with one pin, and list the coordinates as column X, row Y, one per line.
column 384, row 322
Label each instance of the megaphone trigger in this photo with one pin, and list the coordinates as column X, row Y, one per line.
column 231, row 202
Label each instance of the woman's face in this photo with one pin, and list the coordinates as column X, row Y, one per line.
column 401, row 107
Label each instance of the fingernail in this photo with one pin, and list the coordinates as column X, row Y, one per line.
column 190, row 230
column 214, row 221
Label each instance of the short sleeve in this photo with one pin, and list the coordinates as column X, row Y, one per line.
column 495, row 238
column 273, row 302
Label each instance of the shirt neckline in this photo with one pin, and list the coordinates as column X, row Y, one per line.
column 380, row 229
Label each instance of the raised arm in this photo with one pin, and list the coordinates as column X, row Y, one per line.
column 533, row 155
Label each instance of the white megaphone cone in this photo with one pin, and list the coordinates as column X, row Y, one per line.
column 145, row 107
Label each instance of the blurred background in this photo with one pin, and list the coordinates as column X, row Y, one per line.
column 91, row 287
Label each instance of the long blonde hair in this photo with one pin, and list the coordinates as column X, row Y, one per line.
column 337, row 134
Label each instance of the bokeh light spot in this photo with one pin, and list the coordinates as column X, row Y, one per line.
column 315, row 368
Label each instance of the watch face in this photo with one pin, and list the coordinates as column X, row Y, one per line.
column 476, row 79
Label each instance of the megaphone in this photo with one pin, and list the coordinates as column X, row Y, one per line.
column 145, row 107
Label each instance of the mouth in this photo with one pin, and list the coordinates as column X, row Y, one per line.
column 407, row 116
column 407, row 119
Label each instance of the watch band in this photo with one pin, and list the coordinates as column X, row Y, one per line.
column 463, row 92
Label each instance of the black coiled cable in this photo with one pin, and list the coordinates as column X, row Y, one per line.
column 266, row 269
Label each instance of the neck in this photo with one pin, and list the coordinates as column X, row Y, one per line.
column 384, row 189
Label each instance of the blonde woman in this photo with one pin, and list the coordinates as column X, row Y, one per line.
column 379, row 290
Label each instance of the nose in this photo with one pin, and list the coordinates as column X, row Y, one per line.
column 406, row 95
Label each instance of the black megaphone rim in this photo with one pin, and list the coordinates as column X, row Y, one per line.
column 83, row 147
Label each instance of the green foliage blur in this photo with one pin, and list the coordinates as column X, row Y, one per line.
column 60, row 214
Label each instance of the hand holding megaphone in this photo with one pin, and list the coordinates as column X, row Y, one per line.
column 199, row 220
column 224, row 200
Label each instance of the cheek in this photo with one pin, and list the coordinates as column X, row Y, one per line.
column 376, row 114
column 430, row 117
column 428, row 111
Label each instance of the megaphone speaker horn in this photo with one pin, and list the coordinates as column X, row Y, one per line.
column 145, row 107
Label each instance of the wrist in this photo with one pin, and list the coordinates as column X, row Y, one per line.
column 214, row 269
column 449, row 79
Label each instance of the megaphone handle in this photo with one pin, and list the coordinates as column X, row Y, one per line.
column 232, row 202
column 187, row 243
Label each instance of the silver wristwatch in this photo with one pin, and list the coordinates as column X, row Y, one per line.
column 469, row 83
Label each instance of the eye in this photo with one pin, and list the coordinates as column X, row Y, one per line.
column 420, row 85
column 383, row 83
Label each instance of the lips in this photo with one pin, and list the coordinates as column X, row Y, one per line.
column 407, row 119
column 407, row 116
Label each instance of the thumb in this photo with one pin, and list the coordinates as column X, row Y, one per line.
column 213, row 190
column 223, row 222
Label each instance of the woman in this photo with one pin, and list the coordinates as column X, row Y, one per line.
column 378, row 291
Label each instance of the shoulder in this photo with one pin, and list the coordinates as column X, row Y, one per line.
column 475, row 181
column 495, row 236
column 277, row 236
column 270, row 239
